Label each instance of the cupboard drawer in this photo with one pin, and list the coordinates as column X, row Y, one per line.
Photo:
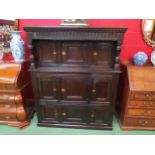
column 142, row 96
column 142, row 103
column 139, row 122
column 141, row 112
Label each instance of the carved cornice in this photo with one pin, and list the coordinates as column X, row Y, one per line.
column 76, row 33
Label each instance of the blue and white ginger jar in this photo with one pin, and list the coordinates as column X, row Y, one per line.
column 17, row 46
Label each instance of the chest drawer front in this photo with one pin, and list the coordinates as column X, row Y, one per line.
column 101, row 88
column 142, row 122
column 10, row 98
column 8, row 111
column 103, row 54
column 6, row 107
column 141, row 112
column 142, row 96
column 142, row 103
column 47, row 53
column 75, row 53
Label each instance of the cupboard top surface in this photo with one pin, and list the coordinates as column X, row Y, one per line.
column 75, row 28
column 141, row 78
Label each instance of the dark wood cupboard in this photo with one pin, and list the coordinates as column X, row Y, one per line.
column 75, row 74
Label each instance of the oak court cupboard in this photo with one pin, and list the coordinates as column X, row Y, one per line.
column 75, row 73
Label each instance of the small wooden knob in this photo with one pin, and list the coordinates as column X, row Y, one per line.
column 63, row 114
column 54, row 89
column 95, row 53
column 92, row 115
column 56, row 114
column 93, row 90
column 63, row 53
column 54, row 53
column 63, row 90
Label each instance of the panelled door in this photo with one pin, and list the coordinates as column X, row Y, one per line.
column 101, row 88
column 47, row 53
column 75, row 88
column 49, row 87
column 75, row 53
column 103, row 54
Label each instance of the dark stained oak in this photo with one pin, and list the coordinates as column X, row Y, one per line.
column 75, row 72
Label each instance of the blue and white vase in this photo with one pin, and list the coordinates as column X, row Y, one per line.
column 17, row 46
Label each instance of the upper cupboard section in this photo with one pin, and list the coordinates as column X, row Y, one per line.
column 74, row 53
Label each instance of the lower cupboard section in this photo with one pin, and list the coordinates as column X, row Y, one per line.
column 79, row 116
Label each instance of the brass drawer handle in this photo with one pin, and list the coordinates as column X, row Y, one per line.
column 94, row 91
column 7, row 117
column 63, row 53
column 63, row 90
column 54, row 89
column 144, row 123
column 6, row 96
column 63, row 114
column 7, row 106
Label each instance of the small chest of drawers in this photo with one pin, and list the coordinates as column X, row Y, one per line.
column 16, row 105
column 138, row 102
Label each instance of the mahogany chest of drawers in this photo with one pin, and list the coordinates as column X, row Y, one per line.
column 138, row 103
column 16, row 106
column 74, row 73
